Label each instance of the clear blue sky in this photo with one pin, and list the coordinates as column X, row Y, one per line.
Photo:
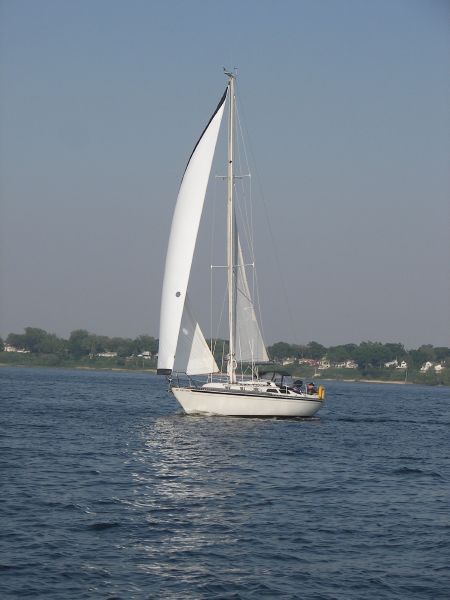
column 347, row 105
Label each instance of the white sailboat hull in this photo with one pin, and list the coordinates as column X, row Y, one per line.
column 227, row 404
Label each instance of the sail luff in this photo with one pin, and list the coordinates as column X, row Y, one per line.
column 182, row 240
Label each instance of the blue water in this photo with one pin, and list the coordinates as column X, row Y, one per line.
column 109, row 491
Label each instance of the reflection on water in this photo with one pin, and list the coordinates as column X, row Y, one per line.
column 201, row 480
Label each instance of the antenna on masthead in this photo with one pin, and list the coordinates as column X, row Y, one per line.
column 229, row 73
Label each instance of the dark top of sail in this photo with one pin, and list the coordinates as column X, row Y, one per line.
column 222, row 100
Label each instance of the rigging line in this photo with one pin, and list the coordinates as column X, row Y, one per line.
column 258, row 303
column 245, row 221
column 254, row 293
column 247, row 164
column 219, row 324
column 223, row 354
column 246, row 230
column 211, row 251
column 240, row 351
column 247, row 206
column 236, row 265
column 248, row 221
column 242, row 192
column 251, row 218
column 272, row 239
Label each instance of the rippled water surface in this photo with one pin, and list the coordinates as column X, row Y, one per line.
column 109, row 491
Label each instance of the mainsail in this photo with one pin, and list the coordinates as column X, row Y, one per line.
column 183, row 236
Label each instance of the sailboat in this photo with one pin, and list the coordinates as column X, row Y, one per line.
column 182, row 345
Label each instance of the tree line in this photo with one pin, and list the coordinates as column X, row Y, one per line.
column 80, row 343
column 367, row 355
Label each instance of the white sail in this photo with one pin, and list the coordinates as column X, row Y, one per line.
column 183, row 236
column 193, row 355
column 249, row 342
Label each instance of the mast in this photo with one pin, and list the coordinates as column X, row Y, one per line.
column 231, row 235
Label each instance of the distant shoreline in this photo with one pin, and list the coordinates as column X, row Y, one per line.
column 84, row 368
column 152, row 371
column 77, row 368
column 373, row 381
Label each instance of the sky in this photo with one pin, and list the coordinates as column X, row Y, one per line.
column 346, row 105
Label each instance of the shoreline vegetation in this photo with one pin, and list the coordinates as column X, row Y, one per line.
column 147, row 369
column 370, row 362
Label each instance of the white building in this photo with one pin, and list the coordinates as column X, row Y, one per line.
column 9, row 348
column 347, row 364
column 396, row 365
column 324, row 364
column 392, row 363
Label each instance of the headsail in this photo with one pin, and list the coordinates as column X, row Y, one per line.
column 183, row 236
column 193, row 355
column 249, row 342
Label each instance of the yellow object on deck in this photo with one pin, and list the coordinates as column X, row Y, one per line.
column 322, row 392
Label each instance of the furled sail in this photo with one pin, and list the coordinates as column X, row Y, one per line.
column 183, row 236
column 193, row 355
column 249, row 342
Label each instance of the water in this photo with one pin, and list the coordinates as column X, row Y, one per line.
column 109, row 491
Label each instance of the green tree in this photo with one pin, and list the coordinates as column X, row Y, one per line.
column 395, row 351
column 126, row 348
column 35, row 339
column 338, row 354
column 80, row 343
column 441, row 353
column 220, row 349
column 298, row 350
column 17, row 340
column 421, row 355
column 145, row 343
column 100, row 343
column 115, row 343
column 2, row 345
column 52, row 344
column 315, row 350
column 280, row 350
column 371, row 355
